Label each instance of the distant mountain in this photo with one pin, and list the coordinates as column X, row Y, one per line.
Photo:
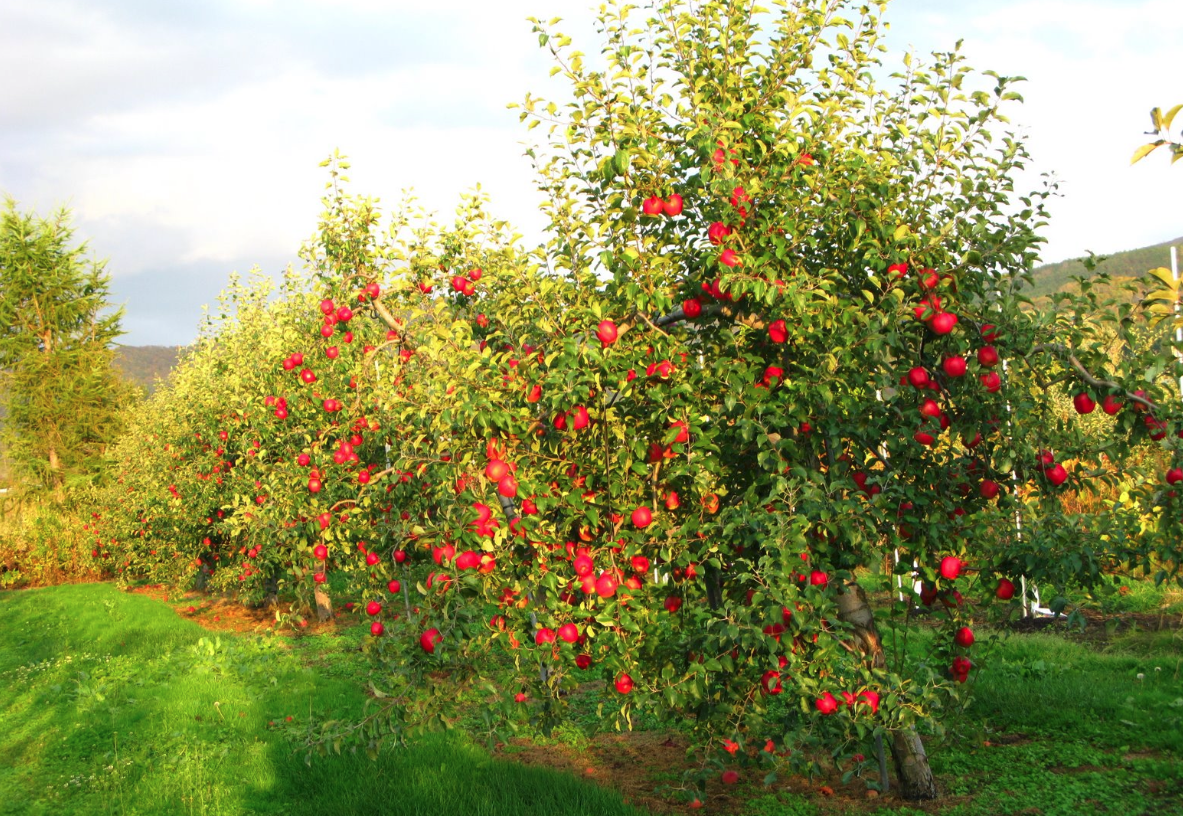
column 145, row 365
column 1133, row 263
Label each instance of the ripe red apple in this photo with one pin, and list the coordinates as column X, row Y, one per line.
column 508, row 487
column 778, row 332
column 1111, row 404
column 964, row 637
column 652, row 206
column 639, row 564
column 988, row 489
column 871, row 698
column 924, row 438
column 606, row 585
column 373, row 608
column 673, row 205
column 400, row 556
column 569, row 632
column 307, row 376
column 930, row 408
column 377, row 629
column 819, row 578
column 991, row 381
column 950, row 567
column 943, row 323
column 1174, row 475
column 429, row 639
column 372, row 559
column 729, row 257
column 544, row 636
column 583, row 565
column 607, row 333
column 730, row 777
column 580, row 418
column 1005, row 590
column 1083, row 403
column 320, row 552
column 394, row 587
column 918, row 377
column 642, row 517
column 624, row 683
column 988, row 356
column 583, row 661
column 954, row 366
column 827, row 703
column 496, row 470
column 672, row 604
column 718, row 232
column 1057, row 475
column 314, row 485
column 692, row 308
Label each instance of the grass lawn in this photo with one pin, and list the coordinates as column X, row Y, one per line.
column 116, row 704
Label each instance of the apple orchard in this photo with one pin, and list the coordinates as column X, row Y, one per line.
column 777, row 334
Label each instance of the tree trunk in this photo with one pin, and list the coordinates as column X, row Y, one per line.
column 911, row 762
column 324, row 606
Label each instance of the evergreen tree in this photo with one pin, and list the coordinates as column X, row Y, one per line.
column 61, row 396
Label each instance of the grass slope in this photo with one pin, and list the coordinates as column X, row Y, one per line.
column 114, row 705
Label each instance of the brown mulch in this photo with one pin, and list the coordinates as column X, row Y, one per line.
column 647, row 767
column 225, row 615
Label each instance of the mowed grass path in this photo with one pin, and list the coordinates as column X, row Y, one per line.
column 111, row 705
column 114, row 704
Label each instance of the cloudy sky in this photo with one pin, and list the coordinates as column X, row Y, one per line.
column 186, row 135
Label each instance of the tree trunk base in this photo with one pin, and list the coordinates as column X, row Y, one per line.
column 324, row 606
column 911, row 766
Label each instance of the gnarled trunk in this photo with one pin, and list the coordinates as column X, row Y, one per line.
column 907, row 751
column 324, row 606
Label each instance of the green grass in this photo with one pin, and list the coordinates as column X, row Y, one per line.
column 116, row 705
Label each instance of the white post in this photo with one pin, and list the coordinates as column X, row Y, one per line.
column 1178, row 328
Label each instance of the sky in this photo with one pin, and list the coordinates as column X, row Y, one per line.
column 186, row 136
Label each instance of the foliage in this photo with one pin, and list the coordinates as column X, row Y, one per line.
column 1160, row 124
column 61, row 397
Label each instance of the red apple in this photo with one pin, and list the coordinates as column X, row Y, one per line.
column 918, row 377
column 964, row 637
column 429, row 639
column 642, row 517
column 1083, row 403
column 508, row 487
column 988, row 489
column 1005, row 590
column 569, row 632
column 377, row 629
column 624, row 683
column 950, row 567
column 1057, row 475
column 373, row 608
column 943, row 323
column 827, row 704
column 954, row 366
column 394, row 587
column 692, row 308
column 988, row 356
column 496, row 470
column 652, row 206
column 730, row 777
column 1174, row 475
column 778, row 332
column 1111, row 404
column 607, row 333
column 673, row 205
